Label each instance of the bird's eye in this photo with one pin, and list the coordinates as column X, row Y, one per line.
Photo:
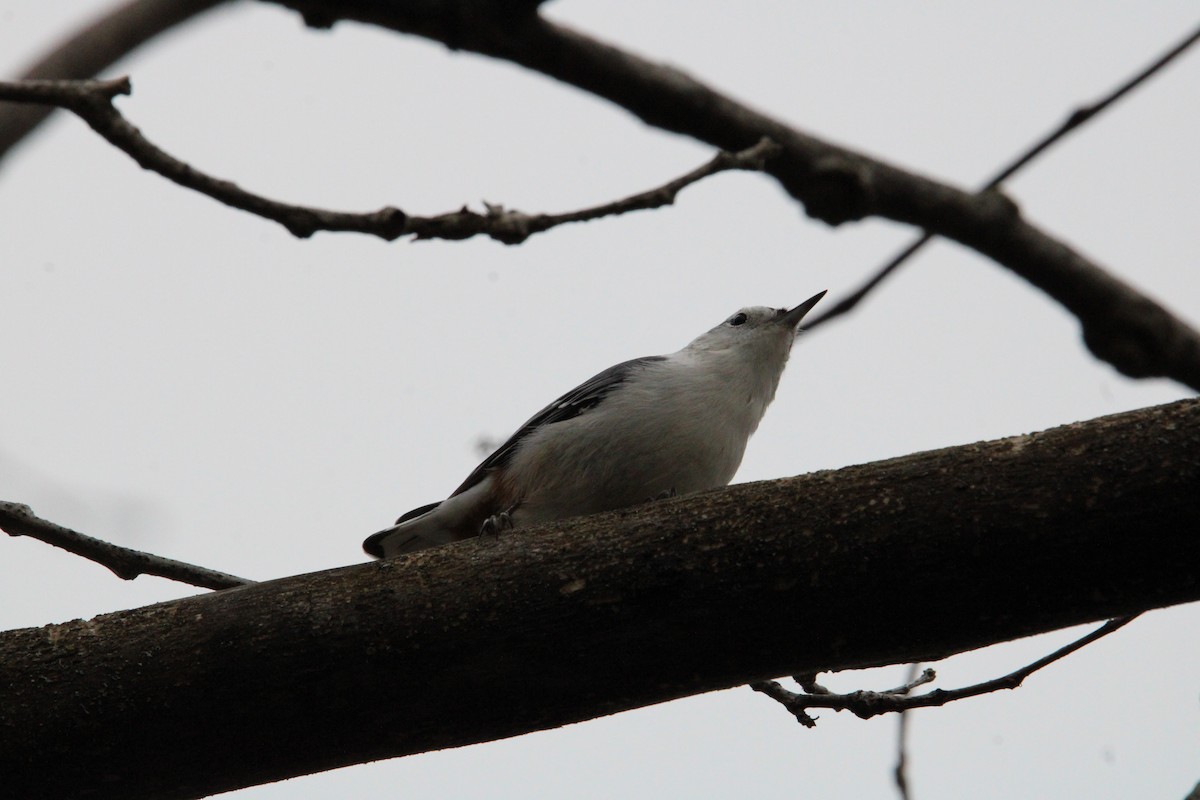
column 738, row 319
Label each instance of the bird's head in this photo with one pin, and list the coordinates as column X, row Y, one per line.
column 757, row 330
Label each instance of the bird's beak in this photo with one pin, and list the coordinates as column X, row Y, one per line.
column 792, row 318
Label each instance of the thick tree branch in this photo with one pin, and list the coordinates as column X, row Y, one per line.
column 911, row 559
column 97, row 45
column 91, row 101
column 17, row 519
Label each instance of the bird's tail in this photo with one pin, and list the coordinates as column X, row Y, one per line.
column 457, row 517
column 416, row 530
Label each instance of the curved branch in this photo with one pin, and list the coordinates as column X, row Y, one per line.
column 17, row 519
column 96, row 46
column 91, row 101
column 514, row 227
column 1120, row 324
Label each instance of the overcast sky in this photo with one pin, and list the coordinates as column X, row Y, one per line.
column 190, row 380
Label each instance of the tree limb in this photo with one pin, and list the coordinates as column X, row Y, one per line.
column 17, row 519
column 514, row 227
column 910, row 559
column 817, row 696
column 866, row 704
column 836, row 185
column 91, row 101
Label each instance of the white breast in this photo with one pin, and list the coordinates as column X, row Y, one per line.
column 681, row 425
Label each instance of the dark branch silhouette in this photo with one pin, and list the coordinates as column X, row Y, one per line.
column 514, row 227
column 815, row 695
column 1073, row 121
column 91, row 101
column 17, row 519
column 867, row 704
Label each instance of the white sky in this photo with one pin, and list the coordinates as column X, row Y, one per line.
column 187, row 379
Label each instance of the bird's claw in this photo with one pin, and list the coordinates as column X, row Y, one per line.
column 496, row 524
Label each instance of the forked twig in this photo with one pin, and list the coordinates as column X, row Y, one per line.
column 867, row 704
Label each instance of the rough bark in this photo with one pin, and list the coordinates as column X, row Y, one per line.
column 909, row 559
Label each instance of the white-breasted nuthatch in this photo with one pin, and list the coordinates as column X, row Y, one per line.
column 646, row 428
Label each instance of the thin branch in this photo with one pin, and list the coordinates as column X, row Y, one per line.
column 847, row 304
column 94, row 47
column 1074, row 120
column 1085, row 113
column 514, row 227
column 91, row 101
column 817, row 696
column 17, row 519
column 901, row 772
column 867, row 704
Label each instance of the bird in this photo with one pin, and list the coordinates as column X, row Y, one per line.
column 647, row 428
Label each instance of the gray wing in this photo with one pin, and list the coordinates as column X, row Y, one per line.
column 583, row 397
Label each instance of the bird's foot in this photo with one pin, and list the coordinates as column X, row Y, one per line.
column 497, row 523
column 663, row 495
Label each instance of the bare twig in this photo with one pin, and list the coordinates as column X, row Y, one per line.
column 514, row 227
column 17, row 519
column 901, row 772
column 1074, row 120
column 867, row 704
column 97, row 45
column 92, row 102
